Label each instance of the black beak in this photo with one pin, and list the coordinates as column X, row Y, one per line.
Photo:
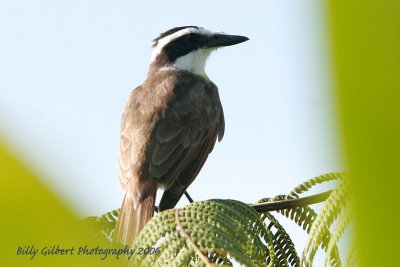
column 219, row 40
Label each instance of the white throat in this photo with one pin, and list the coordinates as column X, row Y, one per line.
column 194, row 62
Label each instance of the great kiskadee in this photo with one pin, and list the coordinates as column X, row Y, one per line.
column 169, row 125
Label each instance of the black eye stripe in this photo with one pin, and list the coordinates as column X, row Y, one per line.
column 193, row 36
column 169, row 32
column 183, row 45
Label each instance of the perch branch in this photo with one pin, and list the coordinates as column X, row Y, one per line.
column 292, row 203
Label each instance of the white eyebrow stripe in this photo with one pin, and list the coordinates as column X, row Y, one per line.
column 169, row 38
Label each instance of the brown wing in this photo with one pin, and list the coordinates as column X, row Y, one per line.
column 179, row 127
column 193, row 163
column 185, row 136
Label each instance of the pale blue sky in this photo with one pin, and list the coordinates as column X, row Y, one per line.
column 67, row 68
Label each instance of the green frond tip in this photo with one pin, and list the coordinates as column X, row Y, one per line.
column 351, row 259
column 343, row 221
column 103, row 226
column 320, row 227
column 304, row 216
column 109, row 217
column 206, row 233
column 285, row 252
column 307, row 185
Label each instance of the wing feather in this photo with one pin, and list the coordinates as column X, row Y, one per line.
column 181, row 133
column 169, row 127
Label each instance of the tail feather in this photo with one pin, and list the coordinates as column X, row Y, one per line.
column 132, row 219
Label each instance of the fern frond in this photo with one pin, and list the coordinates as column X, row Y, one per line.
column 220, row 229
column 320, row 227
column 285, row 252
column 169, row 249
column 214, row 232
column 104, row 225
column 304, row 217
column 341, row 225
column 351, row 259
column 307, row 185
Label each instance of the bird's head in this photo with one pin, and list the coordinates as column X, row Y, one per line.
column 187, row 48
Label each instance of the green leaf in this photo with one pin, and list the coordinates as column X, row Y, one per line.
column 307, row 185
column 220, row 229
column 320, row 228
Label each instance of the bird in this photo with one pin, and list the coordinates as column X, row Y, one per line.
column 169, row 126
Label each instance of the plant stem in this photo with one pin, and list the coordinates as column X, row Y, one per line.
column 292, row 203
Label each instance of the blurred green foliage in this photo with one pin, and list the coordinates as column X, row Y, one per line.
column 366, row 52
column 32, row 216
